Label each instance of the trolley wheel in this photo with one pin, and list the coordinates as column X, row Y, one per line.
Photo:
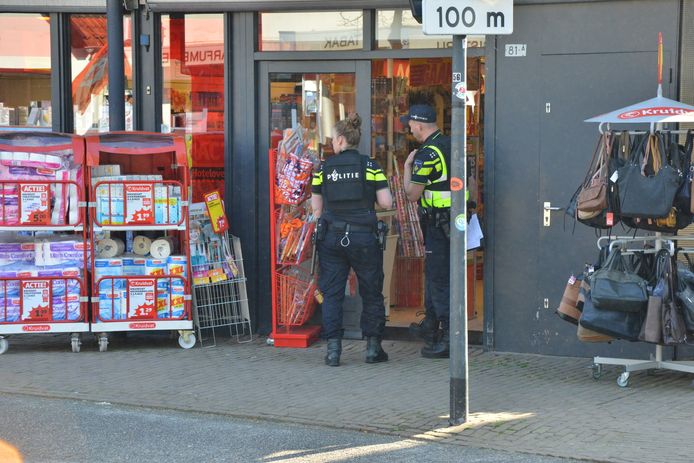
column 103, row 343
column 597, row 371
column 4, row 345
column 75, row 343
column 623, row 379
column 187, row 339
column 270, row 341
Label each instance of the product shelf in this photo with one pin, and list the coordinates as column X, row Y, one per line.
column 293, row 287
column 43, row 281
column 125, row 190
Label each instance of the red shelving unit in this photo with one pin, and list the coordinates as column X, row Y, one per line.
column 148, row 196
column 293, row 288
column 43, row 286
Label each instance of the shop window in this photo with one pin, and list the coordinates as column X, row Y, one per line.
column 89, row 55
column 193, row 94
column 311, row 31
column 398, row 30
column 25, row 70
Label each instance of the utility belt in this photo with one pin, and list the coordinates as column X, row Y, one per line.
column 380, row 230
column 437, row 217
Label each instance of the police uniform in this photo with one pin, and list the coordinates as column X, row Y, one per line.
column 348, row 183
column 431, row 168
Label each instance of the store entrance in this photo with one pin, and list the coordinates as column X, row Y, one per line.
column 313, row 96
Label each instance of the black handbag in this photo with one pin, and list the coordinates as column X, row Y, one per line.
column 647, row 194
column 674, row 329
column 685, row 296
column 613, row 287
column 620, row 325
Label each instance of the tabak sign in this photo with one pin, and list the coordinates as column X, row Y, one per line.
column 656, row 111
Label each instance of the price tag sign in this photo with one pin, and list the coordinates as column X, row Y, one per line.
column 471, row 17
column 215, row 208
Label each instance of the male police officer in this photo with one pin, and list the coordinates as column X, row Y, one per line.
column 344, row 192
column 427, row 180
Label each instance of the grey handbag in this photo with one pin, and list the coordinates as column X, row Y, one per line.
column 615, row 288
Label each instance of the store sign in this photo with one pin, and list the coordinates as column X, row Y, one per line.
column 480, row 17
column 197, row 55
column 659, row 111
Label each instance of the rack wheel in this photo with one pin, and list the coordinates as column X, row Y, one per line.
column 623, row 379
column 597, row 371
column 103, row 343
column 270, row 341
column 4, row 345
column 187, row 339
column 75, row 343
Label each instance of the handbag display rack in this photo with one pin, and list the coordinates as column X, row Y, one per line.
column 656, row 361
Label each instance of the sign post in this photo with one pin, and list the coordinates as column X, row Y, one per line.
column 461, row 18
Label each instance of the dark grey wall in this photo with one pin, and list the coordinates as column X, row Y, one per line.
column 584, row 59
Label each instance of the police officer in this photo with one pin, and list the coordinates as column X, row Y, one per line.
column 427, row 180
column 345, row 189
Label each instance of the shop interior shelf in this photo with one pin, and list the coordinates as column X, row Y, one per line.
column 138, row 227
column 55, row 228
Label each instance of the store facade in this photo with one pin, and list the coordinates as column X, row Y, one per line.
column 232, row 74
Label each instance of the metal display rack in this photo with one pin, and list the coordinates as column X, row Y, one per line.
column 293, row 287
column 44, row 298
column 148, row 301
column 220, row 299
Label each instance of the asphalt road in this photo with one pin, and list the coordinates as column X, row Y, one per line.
column 35, row 429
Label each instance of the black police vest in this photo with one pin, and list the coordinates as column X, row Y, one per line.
column 344, row 183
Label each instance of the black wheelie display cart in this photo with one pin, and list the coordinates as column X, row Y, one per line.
column 43, row 241
column 138, row 204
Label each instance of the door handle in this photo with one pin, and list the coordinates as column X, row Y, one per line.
column 547, row 215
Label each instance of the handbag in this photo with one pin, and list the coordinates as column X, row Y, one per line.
column 568, row 306
column 586, row 335
column 647, row 195
column 614, row 288
column 683, row 199
column 592, row 198
column 620, row 325
column 674, row 329
column 652, row 328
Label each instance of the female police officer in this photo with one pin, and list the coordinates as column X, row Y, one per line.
column 345, row 189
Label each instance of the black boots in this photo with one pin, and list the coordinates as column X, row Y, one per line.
column 426, row 328
column 332, row 357
column 374, row 351
column 440, row 349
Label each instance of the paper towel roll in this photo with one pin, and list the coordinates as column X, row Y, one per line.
column 161, row 248
column 141, row 245
column 109, row 248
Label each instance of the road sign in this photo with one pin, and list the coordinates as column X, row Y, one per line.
column 467, row 17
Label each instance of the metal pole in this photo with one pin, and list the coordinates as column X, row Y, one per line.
column 458, row 277
column 116, row 68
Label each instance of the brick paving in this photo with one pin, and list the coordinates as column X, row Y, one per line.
column 526, row 403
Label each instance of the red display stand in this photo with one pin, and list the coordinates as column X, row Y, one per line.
column 293, row 288
column 42, row 190
column 148, row 196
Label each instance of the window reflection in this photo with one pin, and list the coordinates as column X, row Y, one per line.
column 25, row 70
column 193, row 96
column 89, row 53
column 397, row 29
column 311, row 31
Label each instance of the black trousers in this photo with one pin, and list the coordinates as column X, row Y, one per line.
column 437, row 289
column 364, row 255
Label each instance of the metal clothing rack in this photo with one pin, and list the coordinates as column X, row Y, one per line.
column 656, row 361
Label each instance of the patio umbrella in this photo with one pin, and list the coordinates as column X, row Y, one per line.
column 658, row 110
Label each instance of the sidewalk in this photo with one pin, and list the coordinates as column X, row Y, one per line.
column 541, row 405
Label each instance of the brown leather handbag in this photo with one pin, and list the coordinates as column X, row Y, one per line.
column 568, row 307
column 592, row 199
column 586, row 335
